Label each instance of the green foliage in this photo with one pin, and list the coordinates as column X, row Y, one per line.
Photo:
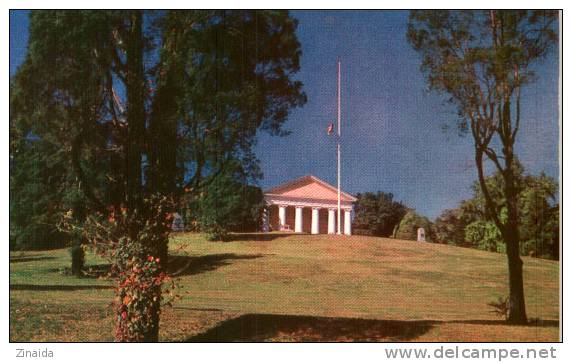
column 41, row 189
column 495, row 185
column 538, row 215
column 249, row 210
column 484, row 235
column 204, row 99
column 538, row 212
column 407, row 227
column 222, row 76
column 37, row 185
column 449, row 227
column 468, row 55
column 377, row 214
column 136, row 104
column 539, row 218
column 229, row 205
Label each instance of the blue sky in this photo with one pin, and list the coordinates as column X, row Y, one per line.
column 392, row 128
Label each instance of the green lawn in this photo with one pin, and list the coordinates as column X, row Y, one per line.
column 288, row 287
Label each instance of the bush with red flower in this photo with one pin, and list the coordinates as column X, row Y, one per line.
column 136, row 242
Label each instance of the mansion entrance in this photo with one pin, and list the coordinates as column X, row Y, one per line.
column 307, row 205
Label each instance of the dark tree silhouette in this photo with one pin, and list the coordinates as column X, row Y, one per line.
column 149, row 105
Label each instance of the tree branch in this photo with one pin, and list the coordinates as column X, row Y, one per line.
column 491, row 209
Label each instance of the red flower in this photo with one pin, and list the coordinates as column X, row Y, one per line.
column 157, row 260
column 149, row 258
column 124, row 315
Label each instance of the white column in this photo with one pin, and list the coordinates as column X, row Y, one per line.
column 331, row 221
column 315, row 220
column 282, row 215
column 265, row 227
column 348, row 222
column 298, row 222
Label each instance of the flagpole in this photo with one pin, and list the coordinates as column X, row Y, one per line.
column 339, row 151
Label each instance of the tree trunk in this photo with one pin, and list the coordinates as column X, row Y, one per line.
column 135, row 110
column 517, row 309
column 78, row 259
column 511, row 236
column 135, row 91
column 152, row 334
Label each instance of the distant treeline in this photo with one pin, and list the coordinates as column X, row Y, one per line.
column 230, row 203
column 467, row 225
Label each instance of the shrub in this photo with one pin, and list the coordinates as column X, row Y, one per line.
column 215, row 229
column 136, row 243
column 407, row 227
column 484, row 235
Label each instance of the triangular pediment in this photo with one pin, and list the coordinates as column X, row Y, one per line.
column 309, row 187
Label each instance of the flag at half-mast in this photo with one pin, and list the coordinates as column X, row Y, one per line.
column 330, row 129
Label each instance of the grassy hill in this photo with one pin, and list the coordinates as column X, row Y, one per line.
column 289, row 287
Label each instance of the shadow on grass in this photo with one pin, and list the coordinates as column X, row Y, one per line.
column 257, row 236
column 45, row 288
column 21, row 259
column 544, row 323
column 268, row 327
column 500, row 322
column 180, row 265
column 262, row 327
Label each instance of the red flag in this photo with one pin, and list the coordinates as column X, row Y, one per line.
column 330, row 129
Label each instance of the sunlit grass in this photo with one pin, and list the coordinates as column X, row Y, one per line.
column 284, row 284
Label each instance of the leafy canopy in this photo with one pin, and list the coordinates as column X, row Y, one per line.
column 377, row 214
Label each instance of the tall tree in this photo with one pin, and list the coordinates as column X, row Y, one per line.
column 377, row 213
column 482, row 60
column 163, row 101
column 450, row 226
column 227, row 204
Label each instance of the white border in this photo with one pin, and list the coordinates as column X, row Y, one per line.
column 248, row 352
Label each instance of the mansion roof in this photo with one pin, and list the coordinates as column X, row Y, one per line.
column 309, row 187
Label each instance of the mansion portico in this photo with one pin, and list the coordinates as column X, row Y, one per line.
column 307, row 205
